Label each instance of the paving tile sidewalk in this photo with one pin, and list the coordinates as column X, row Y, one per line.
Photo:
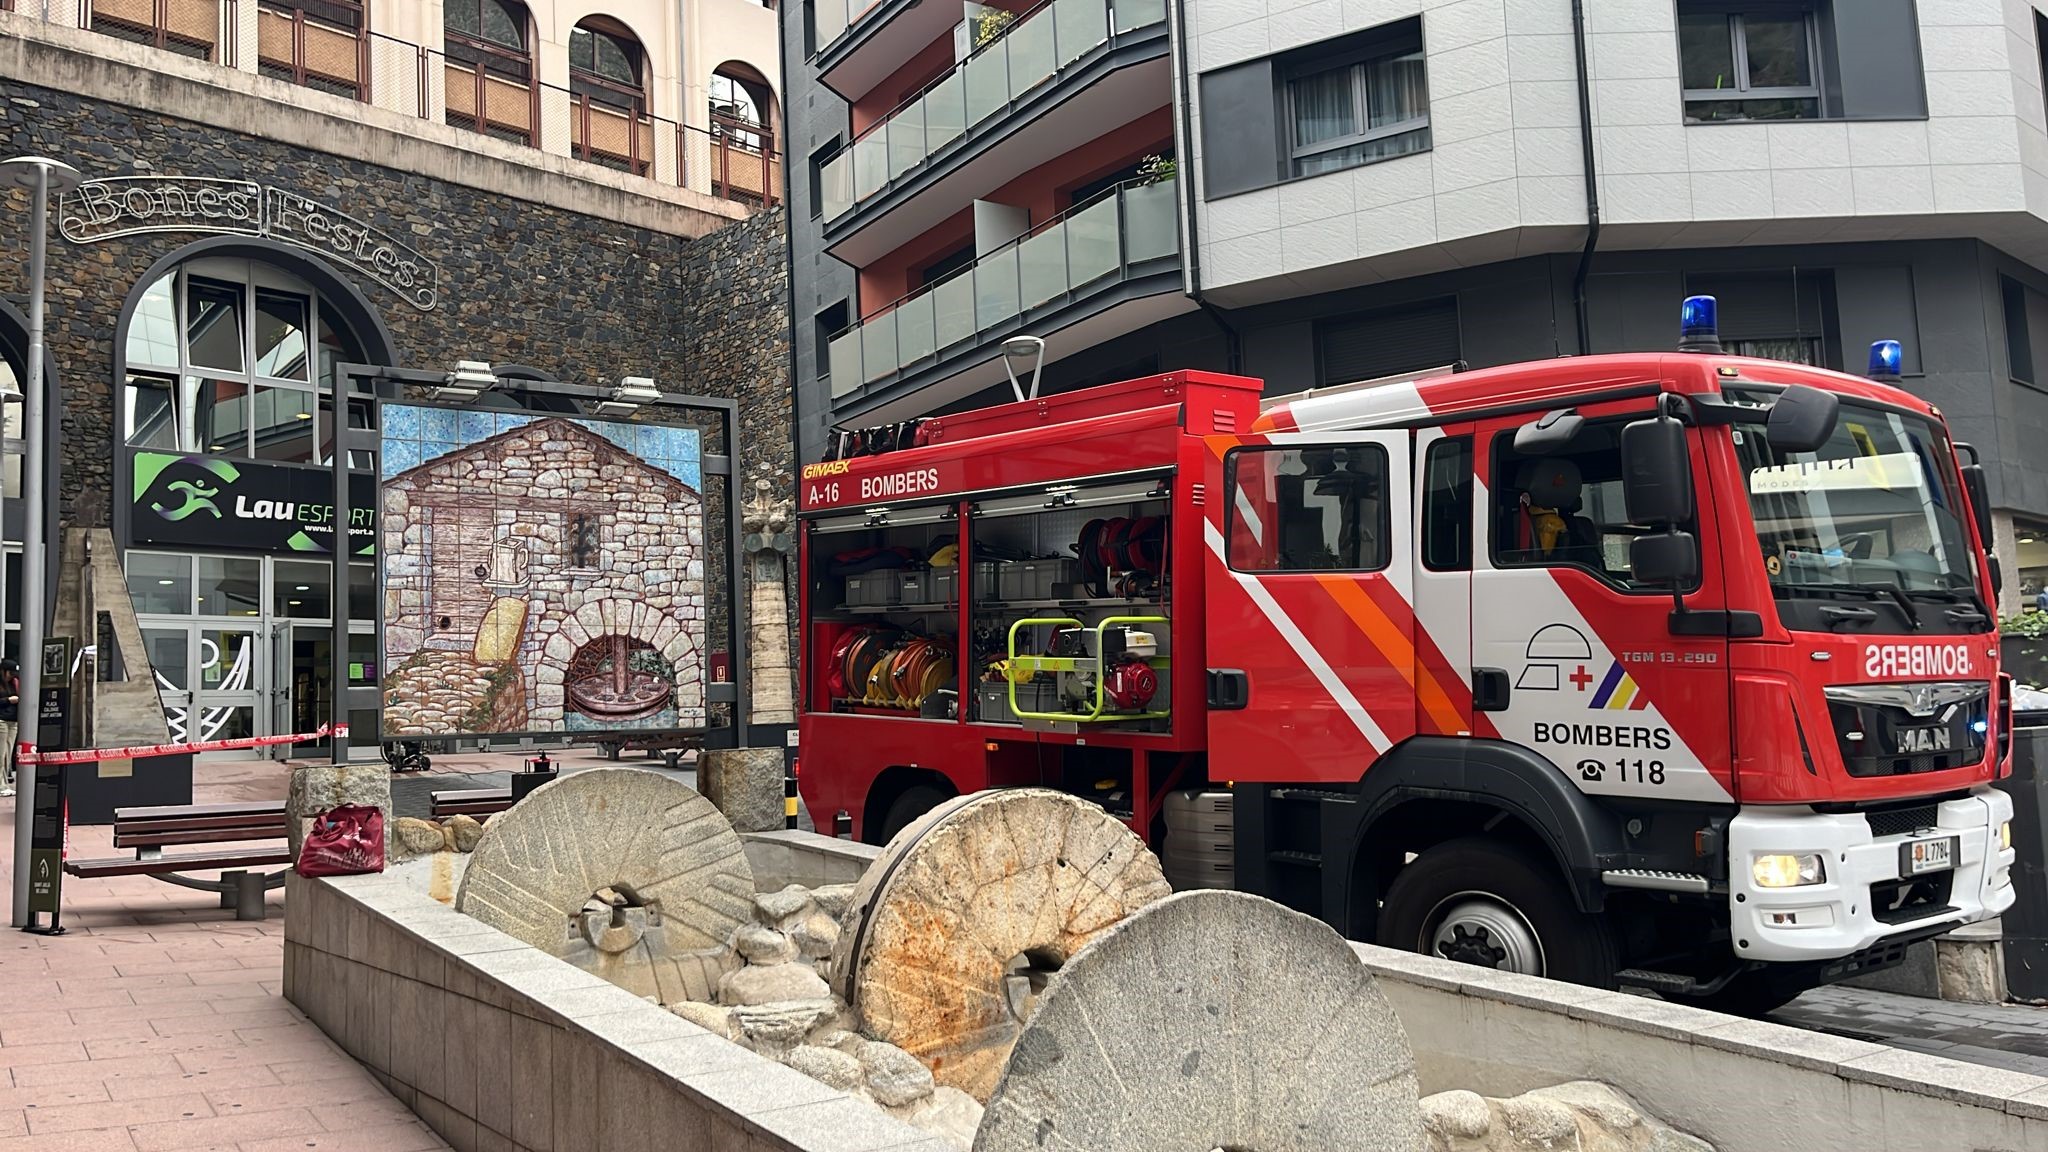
column 2013, row 1036
column 157, row 1022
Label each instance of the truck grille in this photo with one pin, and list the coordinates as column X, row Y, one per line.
column 1902, row 729
column 1899, row 821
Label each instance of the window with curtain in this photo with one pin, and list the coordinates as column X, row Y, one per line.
column 1749, row 62
column 1358, row 109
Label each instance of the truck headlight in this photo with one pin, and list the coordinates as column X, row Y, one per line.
column 1784, row 870
column 2005, row 835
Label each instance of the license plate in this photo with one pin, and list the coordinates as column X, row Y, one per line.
column 1921, row 856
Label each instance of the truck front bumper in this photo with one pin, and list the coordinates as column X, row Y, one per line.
column 1865, row 895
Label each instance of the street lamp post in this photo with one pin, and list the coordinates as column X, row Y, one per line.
column 41, row 176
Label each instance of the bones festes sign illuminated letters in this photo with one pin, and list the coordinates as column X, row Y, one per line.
column 129, row 205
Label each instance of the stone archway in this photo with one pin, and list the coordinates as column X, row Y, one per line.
column 673, row 639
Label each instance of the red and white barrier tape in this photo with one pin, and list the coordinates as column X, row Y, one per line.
column 27, row 754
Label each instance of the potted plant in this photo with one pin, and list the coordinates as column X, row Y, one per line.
column 989, row 25
column 1156, row 169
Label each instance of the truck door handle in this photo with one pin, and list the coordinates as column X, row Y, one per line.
column 1230, row 690
column 1489, row 689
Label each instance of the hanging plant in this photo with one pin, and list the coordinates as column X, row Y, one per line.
column 1157, row 169
column 990, row 24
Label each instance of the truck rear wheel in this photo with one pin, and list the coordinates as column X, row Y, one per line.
column 908, row 807
column 1478, row 901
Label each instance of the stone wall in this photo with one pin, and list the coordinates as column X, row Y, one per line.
column 579, row 297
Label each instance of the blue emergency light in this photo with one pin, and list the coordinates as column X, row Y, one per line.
column 1885, row 361
column 1696, row 328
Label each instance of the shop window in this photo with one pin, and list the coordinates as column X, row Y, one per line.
column 1750, row 62
column 301, row 590
column 228, row 586
column 160, row 584
column 1320, row 509
column 239, row 361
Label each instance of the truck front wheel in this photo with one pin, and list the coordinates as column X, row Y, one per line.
column 1478, row 901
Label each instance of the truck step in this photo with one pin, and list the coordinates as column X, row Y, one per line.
column 1312, row 795
column 1299, row 859
column 1672, row 982
column 1657, row 881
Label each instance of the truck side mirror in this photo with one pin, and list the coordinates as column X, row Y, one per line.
column 1656, row 472
column 1671, row 558
column 1802, row 419
column 1978, row 485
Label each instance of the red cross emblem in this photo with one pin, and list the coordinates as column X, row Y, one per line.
column 1581, row 678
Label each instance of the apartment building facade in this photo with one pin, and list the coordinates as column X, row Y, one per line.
column 1368, row 187
column 576, row 192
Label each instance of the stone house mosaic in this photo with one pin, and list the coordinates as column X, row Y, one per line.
column 541, row 574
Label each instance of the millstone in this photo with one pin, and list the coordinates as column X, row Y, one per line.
column 960, row 899
column 654, row 842
column 1209, row 1020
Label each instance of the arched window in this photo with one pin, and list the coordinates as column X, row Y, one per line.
column 489, row 70
column 237, row 358
column 607, row 83
column 743, row 164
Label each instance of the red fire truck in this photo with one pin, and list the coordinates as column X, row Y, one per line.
column 1674, row 671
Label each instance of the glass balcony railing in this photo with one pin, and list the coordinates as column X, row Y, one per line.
column 1032, row 50
column 1088, row 247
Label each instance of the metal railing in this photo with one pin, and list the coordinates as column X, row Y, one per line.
column 1031, row 51
column 1087, row 248
column 480, row 91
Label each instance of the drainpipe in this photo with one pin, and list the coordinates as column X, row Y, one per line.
column 1191, row 250
column 1592, row 182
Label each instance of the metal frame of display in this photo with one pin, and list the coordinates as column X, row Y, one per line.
column 384, row 384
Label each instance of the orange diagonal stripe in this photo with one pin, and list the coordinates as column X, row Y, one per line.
column 1396, row 647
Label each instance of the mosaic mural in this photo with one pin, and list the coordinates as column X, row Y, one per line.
column 541, row 574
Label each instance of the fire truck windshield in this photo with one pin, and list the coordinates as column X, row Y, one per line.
column 1874, row 514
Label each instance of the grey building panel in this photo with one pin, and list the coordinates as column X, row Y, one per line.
column 1506, row 318
column 1283, row 355
column 1878, row 304
column 814, row 114
column 1875, row 53
column 1635, row 311
column 1240, row 129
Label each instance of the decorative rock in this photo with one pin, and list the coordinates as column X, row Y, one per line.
column 411, row 836
column 845, row 1041
column 894, row 1077
column 758, row 985
column 763, row 946
column 947, row 1113
column 317, row 788
column 815, row 936
column 745, row 784
column 775, row 907
column 972, row 888
column 652, row 839
column 710, row 1017
column 1456, row 1114
column 828, row 1066
column 833, row 899
column 467, row 830
column 775, row 1028
column 1210, row 1019
column 1582, row 1116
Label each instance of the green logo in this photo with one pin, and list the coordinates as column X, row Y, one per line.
column 197, row 499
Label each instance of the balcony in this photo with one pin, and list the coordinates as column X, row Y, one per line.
column 1064, row 272
column 1067, row 71
column 858, row 43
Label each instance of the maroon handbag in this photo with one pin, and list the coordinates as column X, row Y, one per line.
column 344, row 841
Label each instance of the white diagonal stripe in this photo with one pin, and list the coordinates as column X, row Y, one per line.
column 1324, row 674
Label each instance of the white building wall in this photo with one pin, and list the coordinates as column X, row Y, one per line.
column 1504, row 175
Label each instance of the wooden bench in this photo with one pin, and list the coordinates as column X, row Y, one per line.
column 150, row 830
column 477, row 802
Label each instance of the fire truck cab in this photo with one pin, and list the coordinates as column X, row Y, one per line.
column 1675, row 671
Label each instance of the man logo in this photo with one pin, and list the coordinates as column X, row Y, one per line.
column 197, row 497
